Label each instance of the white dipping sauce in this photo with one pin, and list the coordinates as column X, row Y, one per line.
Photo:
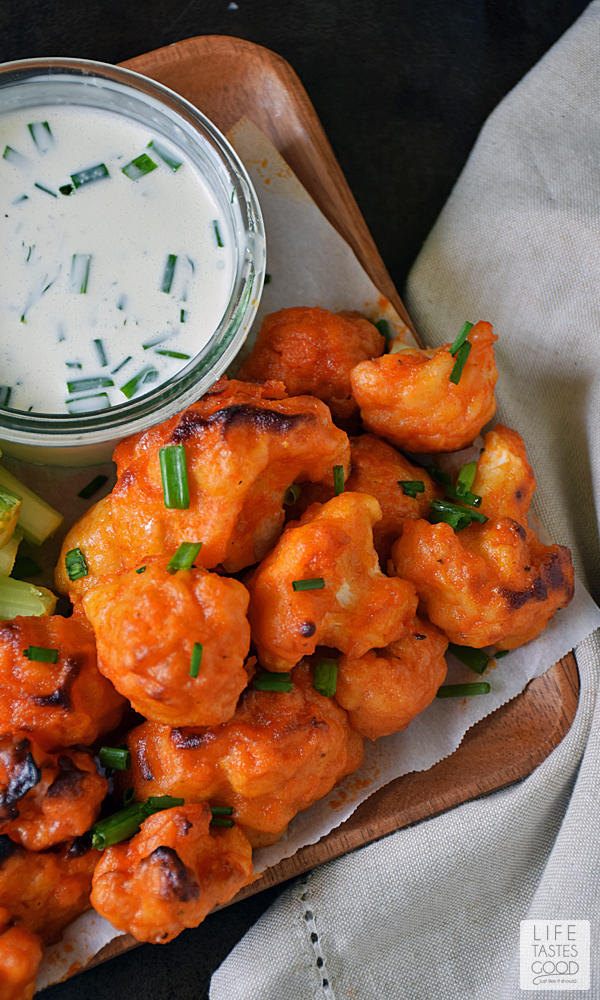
column 97, row 284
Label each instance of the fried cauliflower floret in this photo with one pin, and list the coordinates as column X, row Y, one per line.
column 58, row 703
column 279, row 754
column 385, row 689
column 504, row 479
column 492, row 583
column 147, row 626
column 46, row 799
column 244, row 444
column 45, row 891
column 171, row 874
column 358, row 607
column 313, row 351
column 407, row 397
column 378, row 469
column 20, row 956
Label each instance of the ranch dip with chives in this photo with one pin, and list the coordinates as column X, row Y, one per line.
column 117, row 263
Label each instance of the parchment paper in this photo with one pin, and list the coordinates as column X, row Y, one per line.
column 310, row 264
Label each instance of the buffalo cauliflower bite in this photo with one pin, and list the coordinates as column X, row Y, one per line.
column 20, row 956
column 58, row 703
column 378, row 469
column 45, row 890
column 147, row 625
column 356, row 609
column 385, row 689
column 408, row 398
column 313, row 351
column 171, row 874
column 279, row 754
column 244, row 445
column 46, row 799
column 492, row 583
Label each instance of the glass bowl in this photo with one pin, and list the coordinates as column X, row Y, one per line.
column 89, row 438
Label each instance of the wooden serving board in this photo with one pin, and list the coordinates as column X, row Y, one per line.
column 227, row 78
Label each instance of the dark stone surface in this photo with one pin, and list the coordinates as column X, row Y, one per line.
column 402, row 89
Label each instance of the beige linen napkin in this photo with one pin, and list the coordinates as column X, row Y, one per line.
column 434, row 911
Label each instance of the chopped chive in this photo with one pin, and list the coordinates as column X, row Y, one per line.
column 458, row 343
column 66, row 189
column 29, row 254
column 92, row 487
column 80, row 273
column 128, row 795
column 184, row 557
column 222, row 821
column 41, row 135
column 317, row 584
column 24, row 567
column 41, row 654
column 325, row 681
column 182, row 316
column 456, row 521
column 148, row 374
column 173, row 354
column 165, row 155
column 410, row 487
column 217, row 234
column 45, row 189
column 196, row 659
column 291, row 494
column 461, row 360
column 122, row 365
column 338, row 479
column 474, row 659
column 96, row 173
column 472, row 499
column 87, row 404
column 101, row 353
column 118, row 758
column 156, row 803
column 139, row 167
column 267, row 279
column 191, row 263
column 441, row 477
column 501, row 653
column 267, row 681
column 126, row 822
column 173, row 469
column 76, row 565
column 122, row 302
column 463, row 690
column 87, row 384
column 466, row 477
column 5, row 391
column 221, row 810
column 157, row 340
column 23, row 197
column 13, row 156
column 385, row 328
column 452, row 508
column 168, row 273
column 142, row 569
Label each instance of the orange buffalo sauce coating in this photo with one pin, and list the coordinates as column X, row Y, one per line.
column 171, row 874
column 58, row 703
column 20, row 956
column 45, row 891
column 245, row 444
column 357, row 609
column 46, row 799
column 147, row 625
column 313, row 351
column 377, row 469
column 504, row 479
column 385, row 689
column 279, row 754
column 408, row 398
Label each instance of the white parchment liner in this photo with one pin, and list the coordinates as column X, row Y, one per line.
column 310, row 264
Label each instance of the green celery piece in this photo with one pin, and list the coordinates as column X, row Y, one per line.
column 8, row 553
column 37, row 518
column 10, row 508
column 20, row 598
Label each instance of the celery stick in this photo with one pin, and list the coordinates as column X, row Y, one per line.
column 37, row 518
column 20, row 598
column 10, row 508
column 8, row 552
